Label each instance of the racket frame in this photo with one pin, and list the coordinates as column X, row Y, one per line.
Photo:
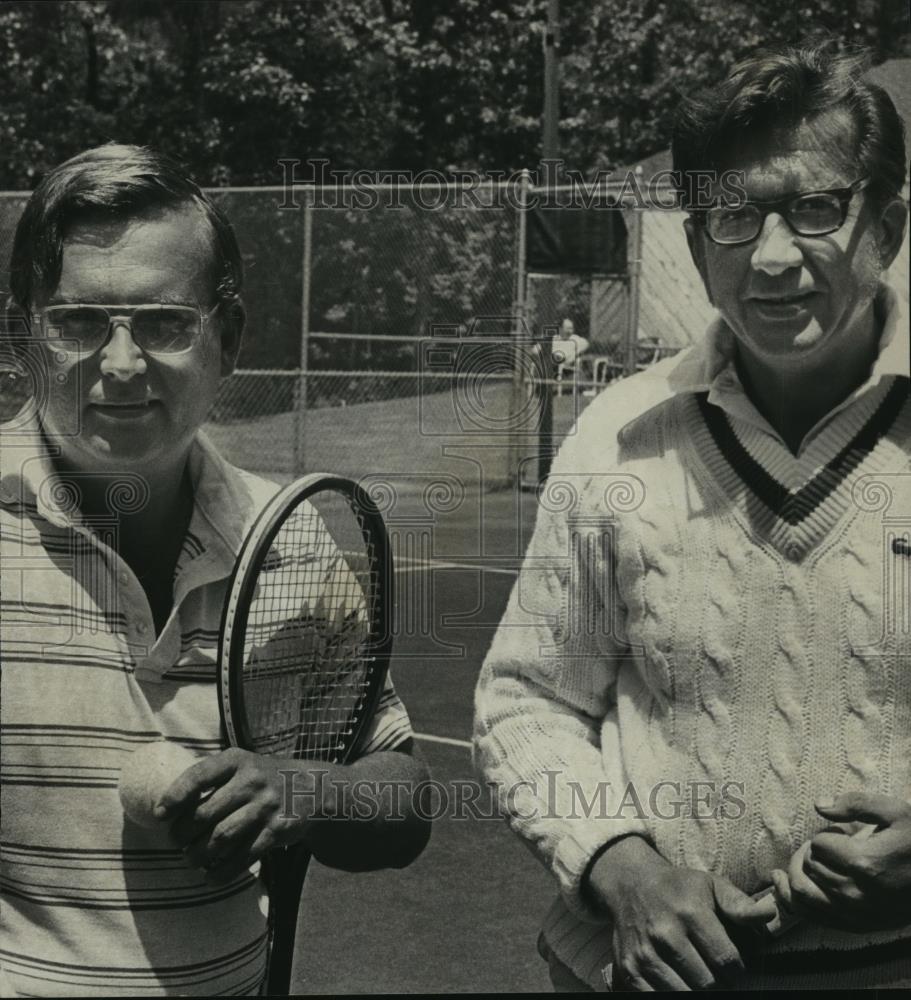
column 285, row 868
column 241, row 587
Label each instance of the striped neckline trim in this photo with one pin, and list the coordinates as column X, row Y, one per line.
column 760, row 501
column 794, row 506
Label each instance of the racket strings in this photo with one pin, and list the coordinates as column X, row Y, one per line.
column 307, row 659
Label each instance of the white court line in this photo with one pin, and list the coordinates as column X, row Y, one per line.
column 448, row 740
column 401, row 563
column 423, row 564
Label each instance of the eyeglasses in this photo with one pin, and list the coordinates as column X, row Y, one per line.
column 156, row 329
column 813, row 213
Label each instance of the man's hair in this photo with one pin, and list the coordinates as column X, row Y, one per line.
column 781, row 88
column 119, row 181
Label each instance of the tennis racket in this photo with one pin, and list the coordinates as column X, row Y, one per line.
column 305, row 642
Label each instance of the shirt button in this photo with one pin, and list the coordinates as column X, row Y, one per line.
column 793, row 552
column 142, row 628
column 123, row 578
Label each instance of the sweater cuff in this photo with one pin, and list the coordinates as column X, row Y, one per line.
column 577, row 853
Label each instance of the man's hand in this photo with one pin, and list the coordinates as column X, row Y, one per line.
column 229, row 809
column 857, row 881
column 226, row 831
column 669, row 923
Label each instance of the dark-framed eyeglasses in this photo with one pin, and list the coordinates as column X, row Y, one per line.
column 810, row 213
column 156, row 328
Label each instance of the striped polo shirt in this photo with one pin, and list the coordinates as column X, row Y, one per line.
column 93, row 905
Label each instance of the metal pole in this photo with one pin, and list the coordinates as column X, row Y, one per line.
column 550, row 146
column 524, row 186
column 634, row 267
column 513, row 474
column 300, row 408
column 549, row 369
column 550, row 150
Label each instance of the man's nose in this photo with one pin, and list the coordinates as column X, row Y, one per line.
column 120, row 357
column 776, row 248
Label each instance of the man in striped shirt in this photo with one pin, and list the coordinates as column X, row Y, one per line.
column 120, row 526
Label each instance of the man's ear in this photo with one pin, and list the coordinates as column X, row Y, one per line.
column 892, row 224
column 696, row 242
column 232, row 329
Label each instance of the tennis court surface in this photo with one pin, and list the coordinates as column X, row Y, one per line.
column 465, row 916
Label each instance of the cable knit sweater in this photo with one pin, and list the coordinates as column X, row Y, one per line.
column 709, row 633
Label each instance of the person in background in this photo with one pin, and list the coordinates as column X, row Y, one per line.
column 566, row 348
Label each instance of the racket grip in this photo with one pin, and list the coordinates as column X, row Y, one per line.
column 285, row 873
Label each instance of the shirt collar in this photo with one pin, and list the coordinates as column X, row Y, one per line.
column 27, row 474
column 709, row 364
column 224, row 503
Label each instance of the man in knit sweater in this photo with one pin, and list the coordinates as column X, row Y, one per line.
column 701, row 686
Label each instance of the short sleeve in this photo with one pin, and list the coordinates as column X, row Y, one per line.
column 391, row 726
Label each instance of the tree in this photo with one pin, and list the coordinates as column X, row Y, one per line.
column 231, row 87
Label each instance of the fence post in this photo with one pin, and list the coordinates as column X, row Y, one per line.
column 634, row 268
column 513, row 474
column 300, row 402
column 548, row 376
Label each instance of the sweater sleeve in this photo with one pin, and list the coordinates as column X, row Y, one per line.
column 546, row 733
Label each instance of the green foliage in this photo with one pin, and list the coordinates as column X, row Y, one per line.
column 626, row 63
column 231, row 87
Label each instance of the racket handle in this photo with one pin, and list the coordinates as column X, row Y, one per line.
column 287, row 869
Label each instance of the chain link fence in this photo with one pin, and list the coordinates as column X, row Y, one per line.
column 397, row 332
column 342, row 367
